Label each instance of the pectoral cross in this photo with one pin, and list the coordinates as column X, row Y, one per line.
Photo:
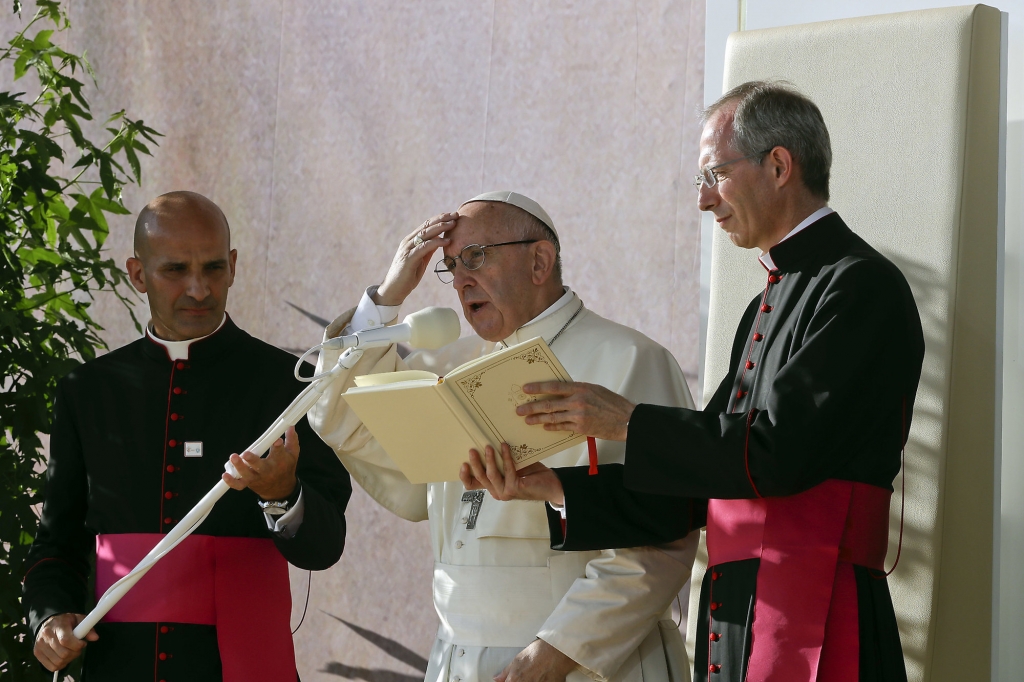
column 477, row 498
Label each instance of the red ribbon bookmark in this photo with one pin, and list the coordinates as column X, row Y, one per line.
column 592, row 450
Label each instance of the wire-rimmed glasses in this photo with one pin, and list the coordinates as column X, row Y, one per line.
column 707, row 175
column 472, row 257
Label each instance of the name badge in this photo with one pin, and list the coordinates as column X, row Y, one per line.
column 194, row 448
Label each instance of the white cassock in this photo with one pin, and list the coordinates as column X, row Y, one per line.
column 499, row 585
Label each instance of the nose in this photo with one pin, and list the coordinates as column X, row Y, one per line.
column 463, row 276
column 707, row 197
column 198, row 288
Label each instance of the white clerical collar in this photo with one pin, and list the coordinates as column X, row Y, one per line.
column 532, row 328
column 178, row 350
column 766, row 258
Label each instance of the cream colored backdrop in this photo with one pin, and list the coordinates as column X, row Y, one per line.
column 327, row 130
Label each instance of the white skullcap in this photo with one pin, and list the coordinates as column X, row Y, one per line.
column 519, row 201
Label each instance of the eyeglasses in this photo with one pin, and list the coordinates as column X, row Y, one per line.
column 707, row 175
column 472, row 257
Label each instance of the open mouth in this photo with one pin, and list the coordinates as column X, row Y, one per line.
column 475, row 307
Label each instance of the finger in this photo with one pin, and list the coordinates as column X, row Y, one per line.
column 256, row 463
column 542, row 407
column 433, row 227
column 562, row 426
column 246, row 473
column 68, row 640
column 553, row 415
column 47, row 656
column 551, row 387
column 291, row 442
column 503, row 675
column 477, row 469
column 511, row 479
column 466, row 476
column 233, row 483
column 491, row 469
column 427, row 247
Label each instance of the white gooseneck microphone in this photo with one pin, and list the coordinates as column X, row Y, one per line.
column 429, row 328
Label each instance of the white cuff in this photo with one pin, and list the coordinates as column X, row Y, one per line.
column 287, row 525
column 560, row 510
column 368, row 314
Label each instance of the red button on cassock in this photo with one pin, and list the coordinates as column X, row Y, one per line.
column 715, row 605
column 714, row 667
column 714, row 637
column 174, row 416
column 181, row 365
column 758, row 337
column 168, row 521
column 163, row 629
column 773, row 279
column 766, row 308
column 740, row 394
column 173, row 443
column 168, row 495
column 715, row 575
column 750, row 365
column 163, row 656
column 177, row 390
column 170, row 468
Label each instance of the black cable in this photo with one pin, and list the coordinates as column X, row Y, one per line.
column 309, row 583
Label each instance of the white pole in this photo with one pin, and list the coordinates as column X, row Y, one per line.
column 298, row 408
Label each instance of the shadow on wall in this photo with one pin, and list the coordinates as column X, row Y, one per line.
column 396, row 650
column 922, row 471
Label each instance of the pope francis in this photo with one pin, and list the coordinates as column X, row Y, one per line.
column 510, row 607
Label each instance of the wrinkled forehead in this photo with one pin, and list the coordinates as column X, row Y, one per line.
column 481, row 222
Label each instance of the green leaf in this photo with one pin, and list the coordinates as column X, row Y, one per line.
column 21, row 65
column 42, row 40
column 107, row 175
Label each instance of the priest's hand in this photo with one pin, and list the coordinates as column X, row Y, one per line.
column 56, row 644
column 412, row 258
column 587, row 409
column 271, row 477
column 539, row 662
column 534, row 482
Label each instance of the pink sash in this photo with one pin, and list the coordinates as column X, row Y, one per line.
column 805, row 611
column 240, row 585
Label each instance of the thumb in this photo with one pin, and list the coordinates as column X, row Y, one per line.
column 503, row 675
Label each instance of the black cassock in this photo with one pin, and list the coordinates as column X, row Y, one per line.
column 821, row 385
column 117, row 465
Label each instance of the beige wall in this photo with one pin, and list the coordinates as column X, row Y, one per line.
column 327, row 130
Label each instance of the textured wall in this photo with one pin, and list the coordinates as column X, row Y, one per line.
column 327, row 130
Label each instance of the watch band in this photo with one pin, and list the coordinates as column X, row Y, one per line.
column 280, row 507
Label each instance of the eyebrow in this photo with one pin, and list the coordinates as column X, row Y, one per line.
column 172, row 264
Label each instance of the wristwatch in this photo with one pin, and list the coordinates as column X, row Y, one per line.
column 280, row 507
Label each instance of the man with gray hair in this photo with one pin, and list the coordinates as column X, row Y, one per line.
column 509, row 605
column 797, row 449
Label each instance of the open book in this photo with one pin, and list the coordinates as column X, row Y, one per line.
column 427, row 423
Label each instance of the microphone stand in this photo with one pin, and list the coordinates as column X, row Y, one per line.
column 298, row 408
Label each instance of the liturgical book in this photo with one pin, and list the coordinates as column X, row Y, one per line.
column 427, row 424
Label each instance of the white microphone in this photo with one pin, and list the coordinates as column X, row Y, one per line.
column 429, row 328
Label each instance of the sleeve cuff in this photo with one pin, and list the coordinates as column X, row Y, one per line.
column 287, row 525
column 368, row 314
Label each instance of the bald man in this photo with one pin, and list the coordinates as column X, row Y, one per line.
column 139, row 436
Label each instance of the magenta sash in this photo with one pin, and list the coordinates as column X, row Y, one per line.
column 240, row 585
column 805, row 625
